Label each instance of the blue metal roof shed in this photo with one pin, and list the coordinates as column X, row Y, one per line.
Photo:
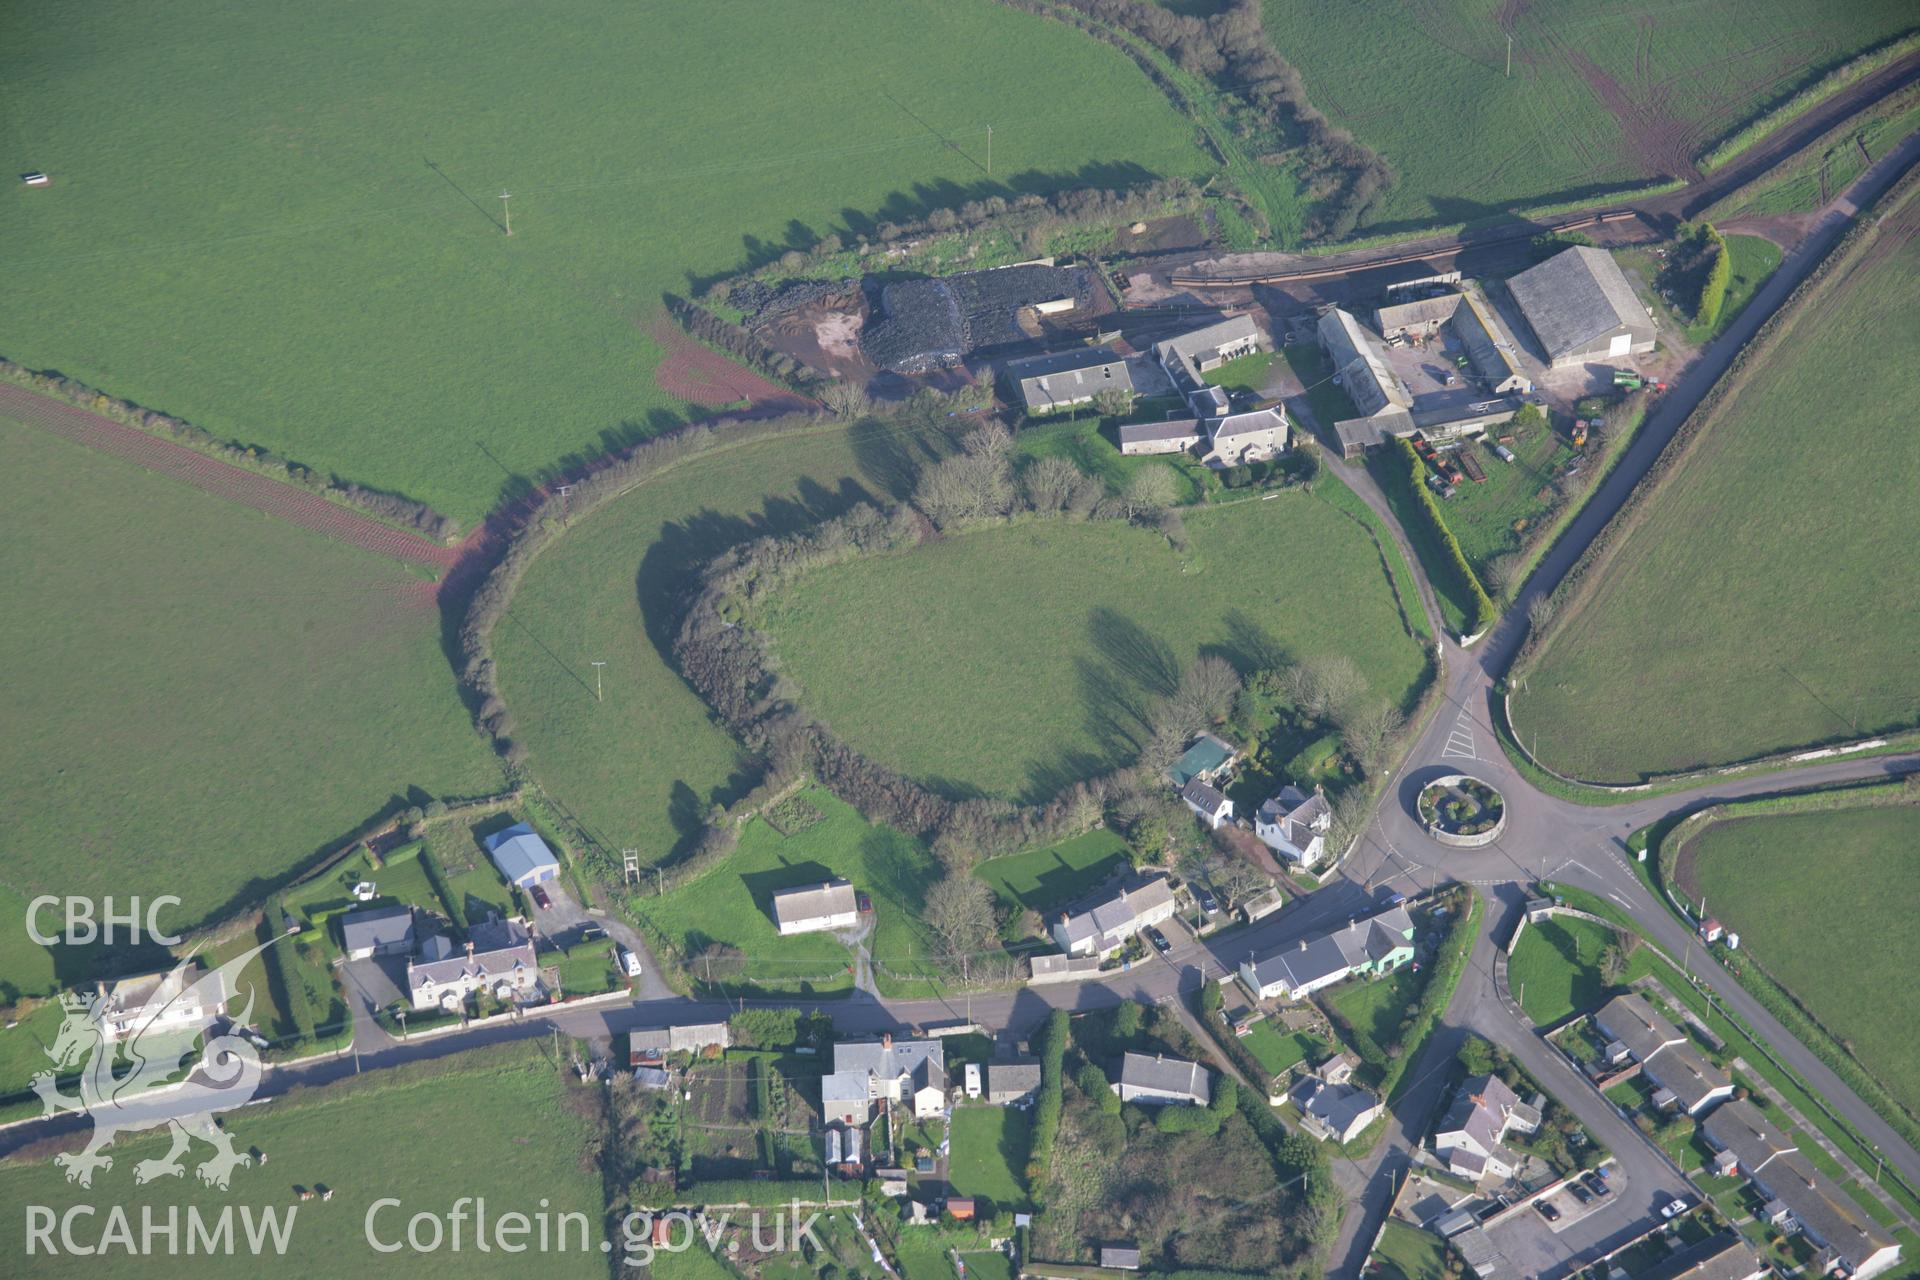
column 522, row 856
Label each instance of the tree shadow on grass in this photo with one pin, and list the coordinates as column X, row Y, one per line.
column 1138, row 655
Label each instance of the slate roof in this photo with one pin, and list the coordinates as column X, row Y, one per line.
column 1480, row 1111
column 499, row 947
column 1575, row 297
column 1314, row 959
column 377, row 927
column 687, row 1037
column 1012, row 1079
column 517, row 851
column 1162, row 1074
column 1296, row 813
column 1665, row 1055
column 1822, row 1207
column 1203, row 797
column 814, row 902
column 1337, row 1106
column 1119, row 914
column 1183, row 350
column 1066, row 377
column 1187, row 429
column 1250, row 423
column 1633, row 1022
column 925, row 1061
column 1370, row 383
column 1722, row 1257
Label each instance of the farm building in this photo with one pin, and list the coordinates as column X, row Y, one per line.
column 1187, row 356
column 1494, row 355
column 522, row 856
column 1175, row 435
column 381, row 931
column 816, row 908
column 1358, row 366
column 1421, row 317
column 653, row 1044
column 1851, row 1243
column 1047, row 384
column 1104, row 927
column 1581, row 308
column 1158, row 1079
column 923, row 325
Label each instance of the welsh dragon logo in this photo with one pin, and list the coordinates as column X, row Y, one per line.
column 149, row 1093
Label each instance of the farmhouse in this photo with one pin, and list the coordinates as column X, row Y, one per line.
column 1208, row 758
column 522, row 857
column 1469, row 1137
column 1851, row 1243
column 1158, row 1080
column 816, row 908
column 1207, row 803
column 1189, row 355
column 911, row 1072
column 1254, row 436
column 1336, row 1112
column 653, row 1044
column 381, row 931
column 499, row 960
column 1012, row 1083
column 1105, row 927
column 1294, row 824
column 1666, row 1056
column 1581, row 308
column 1049, row 383
column 1373, row 945
column 163, row 1002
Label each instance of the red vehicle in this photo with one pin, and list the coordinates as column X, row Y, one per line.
column 540, row 898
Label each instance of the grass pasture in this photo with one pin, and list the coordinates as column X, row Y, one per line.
column 425, row 1135
column 989, row 1155
column 1760, row 597
column 1599, row 97
column 1824, row 901
column 1556, row 968
column 1042, row 878
column 289, row 229
column 1807, row 180
column 199, row 698
column 1017, row 660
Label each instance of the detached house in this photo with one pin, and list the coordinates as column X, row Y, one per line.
column 162, row 1003
column 1334, row 1111
column 1207, row 803
column 499, row 960
column 816, row 908
column 1666, row 1057
column 1374, row 945
column 1105, row 927
column 910, row 1072
column 1294, row 825
column 1158, row 1080
column 1470, row 1136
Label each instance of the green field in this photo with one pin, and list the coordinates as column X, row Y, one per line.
column 1407, row 1253
column 1761, row 597
column 732, row 903
column 1089, row 443
column 1017, row 660
column 1831, row 929
column 1555, row 971
column 284, row 224
column 1823, row 170
column 1041, row 878
column 496, row 1124
column 989, row 1155
column 1599, row 97
column 199, row 697
column 1482, row 516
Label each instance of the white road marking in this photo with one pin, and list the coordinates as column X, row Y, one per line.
column 1460, row 743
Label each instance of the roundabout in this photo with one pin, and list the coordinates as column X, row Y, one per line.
column 1461, row 811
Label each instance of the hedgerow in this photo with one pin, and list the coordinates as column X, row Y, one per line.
column 1483, row 611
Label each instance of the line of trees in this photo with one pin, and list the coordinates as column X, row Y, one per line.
column 391, row 507
column 737, row 342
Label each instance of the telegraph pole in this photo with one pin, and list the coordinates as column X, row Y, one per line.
column 596, row 681
column 507, row 213
column 989, row 151
column 1509, row 56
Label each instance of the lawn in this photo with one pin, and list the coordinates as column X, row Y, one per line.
column 1089, row 443
column 289, row 222
column 1759, row 599
column 1556, row 968
column 1036, row 649
column 1407, row 1253
column 1373, row 1007
column 1277, row 1050
column 732, row 903
column 1831, row 948
column 1040, row 878
column 1495, row 517
column 1599, row 97
column 424, row 1135
column 200, row 698
column 990, row 1155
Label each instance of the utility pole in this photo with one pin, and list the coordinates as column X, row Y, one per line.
column 596, row 681
column 1509, row 55
column 989, row 151
column 660, row 882
column 506, row 212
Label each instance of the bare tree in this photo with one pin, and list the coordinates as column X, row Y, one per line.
column 1321, row 687
column 1540, row 612
column 1369, row 731
column 847, row 399
column 1348, row 820
column 1114, row 402
column 1153, row 487
column 1049, row 483
column 1504, row 573
column 976, row 484
column 1207, row 690
column 960, row 910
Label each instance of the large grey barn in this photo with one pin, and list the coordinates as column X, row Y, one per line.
column 1582, row 308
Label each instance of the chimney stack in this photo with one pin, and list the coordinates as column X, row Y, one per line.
column 886, row 1039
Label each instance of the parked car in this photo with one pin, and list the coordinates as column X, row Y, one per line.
column 1158, row 939
column 540, row 898
column 865, row 903
column 1580, row 1193
column 1547, row 1211
column 629, row 963
column 1207, row 902
column 1673, row 1208
column 1598, row 1183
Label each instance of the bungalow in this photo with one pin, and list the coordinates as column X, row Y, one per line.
column 499, row 960
column 1800, row 1197
column 1049, row 383
column 1294, row 824
column 653, row 1044
column 1469, row 1137
column 1207, row 758
column 1722, row 1257
column 1338, row 1112
column 911, row 1072
column 1207, row 804
column 1372, row 945
column 1666, row 1057
column 1012, row 1083
column 164, row 1002
column 1159, row 1080
column 380, row 931
column 816, row 908
column 522, row 857
column 1105, row 927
